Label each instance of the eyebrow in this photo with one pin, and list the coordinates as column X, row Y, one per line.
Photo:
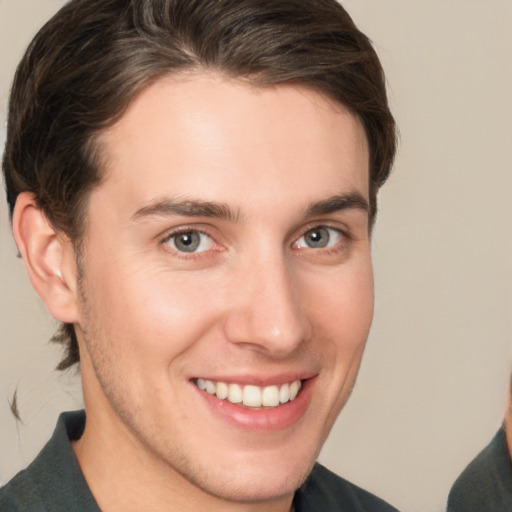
column 337, row 203
column 187, row 208
column 198, row 208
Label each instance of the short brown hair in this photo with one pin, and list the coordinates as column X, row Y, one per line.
column 87, row 64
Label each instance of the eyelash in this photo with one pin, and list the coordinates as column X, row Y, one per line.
column 340, row 245
column 183, row 254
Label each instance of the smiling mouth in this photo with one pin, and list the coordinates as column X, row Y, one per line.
column 249, row 395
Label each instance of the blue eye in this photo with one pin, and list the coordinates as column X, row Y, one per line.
column 320, row 237
column 190, row 241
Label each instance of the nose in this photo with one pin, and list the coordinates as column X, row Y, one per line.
column 266, row 311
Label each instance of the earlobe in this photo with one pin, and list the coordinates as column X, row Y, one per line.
column 49, row 259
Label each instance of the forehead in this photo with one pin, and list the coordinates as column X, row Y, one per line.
column 199, row 133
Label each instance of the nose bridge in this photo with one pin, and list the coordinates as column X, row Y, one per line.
column 268, row 310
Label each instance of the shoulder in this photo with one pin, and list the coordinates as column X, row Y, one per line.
column 53, row 481
column 21, row 494
column 325, row 491
column 485, row 484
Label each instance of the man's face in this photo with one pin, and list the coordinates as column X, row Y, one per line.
column 227, row 248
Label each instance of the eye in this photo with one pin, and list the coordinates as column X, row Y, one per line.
column 321, row 237
column 190, row 241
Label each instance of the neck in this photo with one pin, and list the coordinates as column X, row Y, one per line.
column 123, row 476
column 508, row 426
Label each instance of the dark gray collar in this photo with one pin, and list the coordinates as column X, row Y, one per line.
column 56, row 473
column 486, row 483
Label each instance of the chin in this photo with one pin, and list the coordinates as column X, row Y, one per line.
column 257, row 480
column 259, row 488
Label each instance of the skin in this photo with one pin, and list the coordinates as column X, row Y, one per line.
column 255, row 304
column 508, row 423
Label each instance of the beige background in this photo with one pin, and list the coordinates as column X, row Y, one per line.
column 433, row 383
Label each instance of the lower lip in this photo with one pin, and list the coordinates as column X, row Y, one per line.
column 262, row 420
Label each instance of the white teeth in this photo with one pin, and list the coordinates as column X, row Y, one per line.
column 270, row 396
column 249, row 395
column 294, row 389
column 210, row 387
column 252, row 396
column 222, row 390
column 235, row 394
column 284, row 393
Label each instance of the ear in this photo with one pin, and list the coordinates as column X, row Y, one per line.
column 49, row 258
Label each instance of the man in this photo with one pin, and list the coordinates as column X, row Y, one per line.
column 486, row 483
column 192, row 186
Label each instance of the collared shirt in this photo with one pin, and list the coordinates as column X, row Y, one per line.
column 486, row 484
column 54, row 482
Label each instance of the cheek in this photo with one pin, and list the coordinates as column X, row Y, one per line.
column 156, row 315
column 341, row 311
column 342, row 306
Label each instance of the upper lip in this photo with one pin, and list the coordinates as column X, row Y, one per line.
column 260, row 381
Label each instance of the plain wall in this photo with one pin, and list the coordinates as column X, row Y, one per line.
column 434, row 378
